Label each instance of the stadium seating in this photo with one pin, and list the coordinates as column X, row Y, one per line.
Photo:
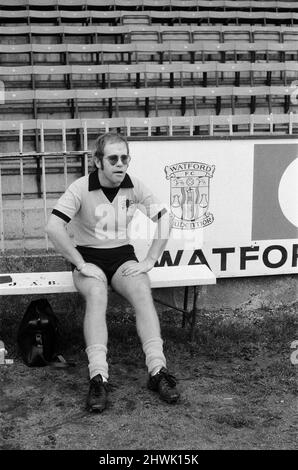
column 189, row 33
column 170, row 5
column 147, row 74
column 117, row 17
column 148, row 67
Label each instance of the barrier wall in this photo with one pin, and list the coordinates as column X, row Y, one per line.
column 234, row 203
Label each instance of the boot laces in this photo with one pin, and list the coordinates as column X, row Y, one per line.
column 168, row 379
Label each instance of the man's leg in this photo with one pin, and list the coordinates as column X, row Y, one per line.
column 95, row 293
column 137, row 290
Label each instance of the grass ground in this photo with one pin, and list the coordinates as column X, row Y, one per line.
column 239, row 387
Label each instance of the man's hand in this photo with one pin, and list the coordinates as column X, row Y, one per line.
column 137, row 268
column 91, row 270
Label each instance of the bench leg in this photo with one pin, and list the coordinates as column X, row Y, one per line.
column 190, row 314
column 185, row 303
column 194, row 312
column 194, row 307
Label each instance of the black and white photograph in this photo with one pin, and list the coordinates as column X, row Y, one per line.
column 148, row 232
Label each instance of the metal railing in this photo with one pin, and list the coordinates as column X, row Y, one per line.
column 19, row 205
column 64, row 156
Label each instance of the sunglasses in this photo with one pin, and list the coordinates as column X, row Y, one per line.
column 113, row 159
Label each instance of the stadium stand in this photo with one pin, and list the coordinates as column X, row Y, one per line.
column 70, row 68
column 120, row 17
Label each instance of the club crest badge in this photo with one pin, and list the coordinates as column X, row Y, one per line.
column 190, row 194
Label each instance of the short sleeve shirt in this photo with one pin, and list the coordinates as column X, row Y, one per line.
column 99, row 223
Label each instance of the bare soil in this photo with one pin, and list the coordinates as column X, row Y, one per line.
column 238, row 386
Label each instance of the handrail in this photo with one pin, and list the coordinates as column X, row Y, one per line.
column 167, row 4
column 52, row 95
column 180, row 67
column 94, row 125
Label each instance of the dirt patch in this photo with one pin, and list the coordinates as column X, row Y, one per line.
column 239, row 388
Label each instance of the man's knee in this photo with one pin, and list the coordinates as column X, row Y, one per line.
column 142, row 292
column 96, row 291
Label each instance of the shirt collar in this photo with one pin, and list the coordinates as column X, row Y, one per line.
column 94, row 182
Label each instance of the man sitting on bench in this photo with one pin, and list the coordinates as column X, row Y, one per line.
column 101, row 205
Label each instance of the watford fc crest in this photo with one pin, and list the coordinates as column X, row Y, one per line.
column 190, row 194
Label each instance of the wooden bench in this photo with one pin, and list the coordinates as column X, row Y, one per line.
column 161, row 277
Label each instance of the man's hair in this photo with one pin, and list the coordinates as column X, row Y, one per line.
column 103, row 140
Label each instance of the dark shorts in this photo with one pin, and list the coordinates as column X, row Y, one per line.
column 107, row 259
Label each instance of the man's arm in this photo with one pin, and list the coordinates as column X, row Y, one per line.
column 161, row 236
column 56, row 230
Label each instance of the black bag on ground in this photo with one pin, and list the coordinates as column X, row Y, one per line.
column 38, row 334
